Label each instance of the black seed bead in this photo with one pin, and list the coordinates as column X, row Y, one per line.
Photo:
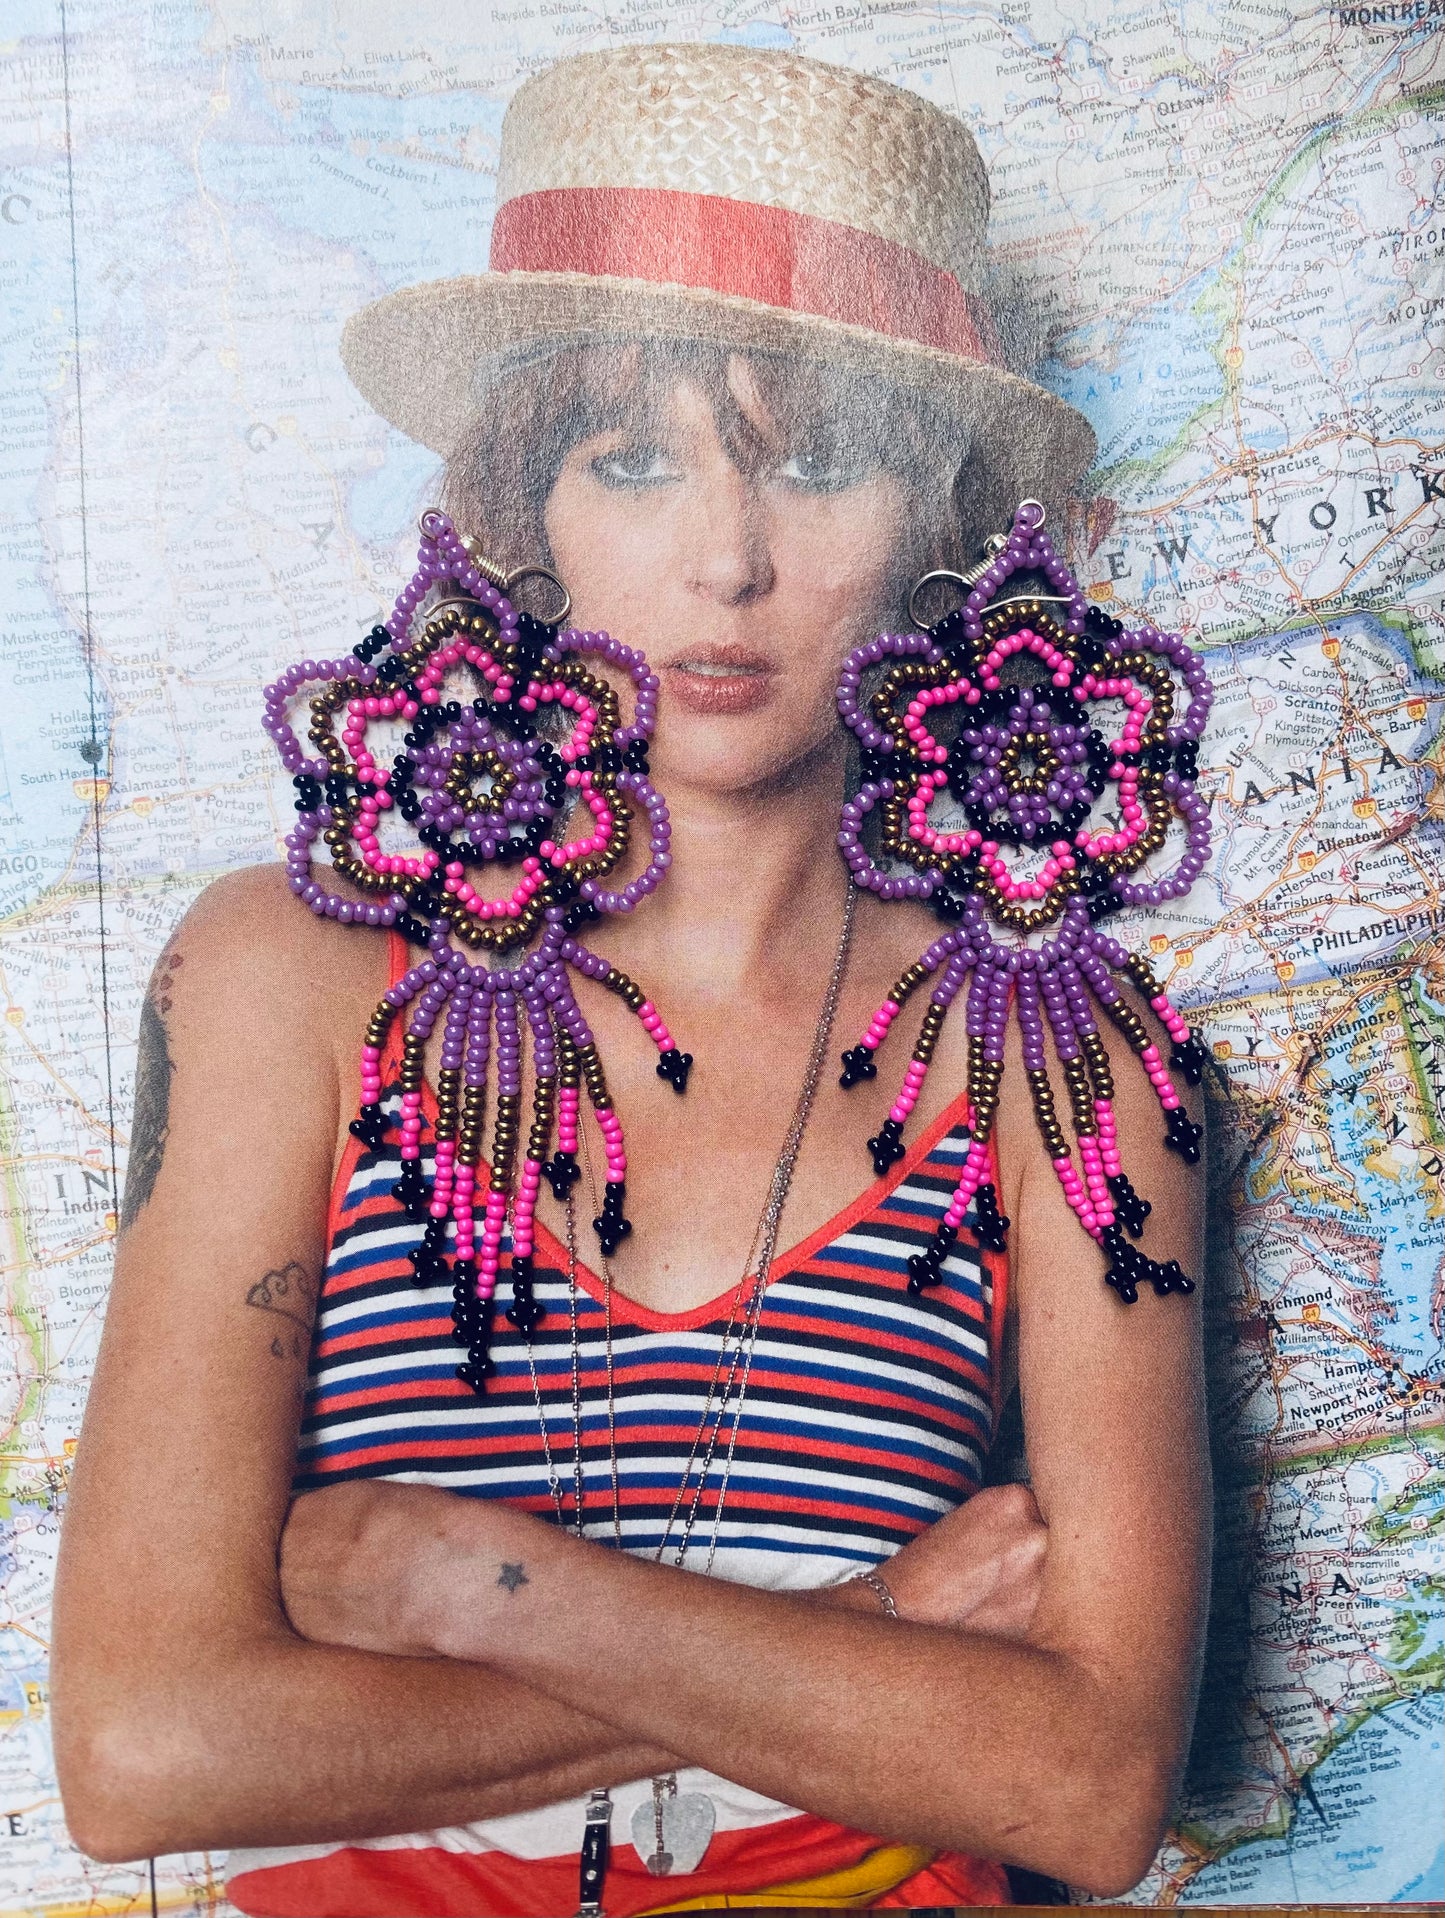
column 886, row 1145
column 635, row 757
column 1132, row 1211
column 1170, row 1277
column 1102, row 625
column 674, row 1066
column 1190, row 1058
column 949, row 632
column 1129, row 1269
column 1183, row 1136
column 426, row 1260
column 926, row 1268
column 1124, row 1262
column 562, row 1172
column 921, row 1273
column 375, row 641
column 991, row 1226
column 524, row 1312
column 611, row 1228
column 857, row 1066
column 410, row 1190
column 369, row 1126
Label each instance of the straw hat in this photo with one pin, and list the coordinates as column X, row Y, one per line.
column 736, row 195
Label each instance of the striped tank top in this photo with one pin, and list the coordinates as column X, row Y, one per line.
column 867, row 1415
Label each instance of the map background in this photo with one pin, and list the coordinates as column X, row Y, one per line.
column 1230, row 225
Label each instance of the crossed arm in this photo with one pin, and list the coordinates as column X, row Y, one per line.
column 402, row 1682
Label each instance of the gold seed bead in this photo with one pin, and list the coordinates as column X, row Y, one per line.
column 928, row 1034
column 1098, row 1059
column 1129, row 1023
column 1045, row 1114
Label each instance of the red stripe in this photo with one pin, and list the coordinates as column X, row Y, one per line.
column 766, row 253
column 428, row 1882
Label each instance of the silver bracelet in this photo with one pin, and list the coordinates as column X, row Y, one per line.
column 879, row 1588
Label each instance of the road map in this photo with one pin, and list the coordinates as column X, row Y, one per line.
column 1228, row 222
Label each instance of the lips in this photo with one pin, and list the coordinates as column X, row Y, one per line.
column 714, row 680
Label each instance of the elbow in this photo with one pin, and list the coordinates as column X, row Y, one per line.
column 132, row 1784
column 1095, row 1813
column 1110, row 1863
column 1115, row 1821
column 114, row 1793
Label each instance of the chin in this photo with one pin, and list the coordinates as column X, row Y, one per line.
column 739, row 755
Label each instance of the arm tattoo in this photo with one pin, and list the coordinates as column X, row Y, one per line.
column 290, row 1294
column 512, row 1576
column 150, row 1127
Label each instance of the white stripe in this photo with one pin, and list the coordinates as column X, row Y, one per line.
column 867, row 1367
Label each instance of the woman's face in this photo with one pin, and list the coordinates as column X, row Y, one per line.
column 744, row 576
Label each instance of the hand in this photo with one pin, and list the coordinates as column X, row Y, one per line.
column 352, row 1559
column 978, row 1569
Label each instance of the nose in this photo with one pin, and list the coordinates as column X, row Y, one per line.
column 728, row 555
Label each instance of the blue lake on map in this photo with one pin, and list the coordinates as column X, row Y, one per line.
column 1139, row 389
column 1372, row 1833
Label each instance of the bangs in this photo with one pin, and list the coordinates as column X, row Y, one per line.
column 533, row 408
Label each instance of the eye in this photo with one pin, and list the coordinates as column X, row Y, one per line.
column 826, row 466
column 640, row 463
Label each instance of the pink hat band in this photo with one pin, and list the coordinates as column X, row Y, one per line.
column 770, row 254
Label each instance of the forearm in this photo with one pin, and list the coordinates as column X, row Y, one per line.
column 916, row 1732
column 277, row 1741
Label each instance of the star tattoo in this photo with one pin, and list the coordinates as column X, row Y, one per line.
column 512, row 1576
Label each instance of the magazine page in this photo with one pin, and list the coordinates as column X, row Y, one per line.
column 783, row 309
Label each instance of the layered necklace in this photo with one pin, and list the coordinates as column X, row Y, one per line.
column 673, row 1832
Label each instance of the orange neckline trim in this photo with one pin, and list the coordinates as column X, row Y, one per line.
column 630, row 1310
column 633, row 1312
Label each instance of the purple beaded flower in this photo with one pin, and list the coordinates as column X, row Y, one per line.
column 1031, row 771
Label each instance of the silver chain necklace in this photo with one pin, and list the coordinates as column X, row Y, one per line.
column 690, row 1815
column 738, row 1361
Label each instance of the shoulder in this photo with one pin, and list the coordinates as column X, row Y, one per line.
column 248, row 951
column 251, row 920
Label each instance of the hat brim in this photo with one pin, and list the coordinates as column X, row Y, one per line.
column 415, row 354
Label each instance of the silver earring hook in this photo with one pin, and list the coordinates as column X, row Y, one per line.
column 968, row 579
column 971, row 575
column 504, row 579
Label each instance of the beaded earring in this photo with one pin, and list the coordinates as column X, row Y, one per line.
column 479, row 784
column 1026, row 767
